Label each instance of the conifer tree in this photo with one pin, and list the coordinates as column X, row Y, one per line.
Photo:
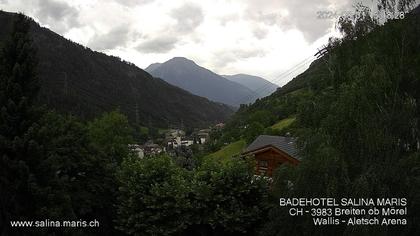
column 18, row 89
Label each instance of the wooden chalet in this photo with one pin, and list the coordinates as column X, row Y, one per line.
column 272, row 151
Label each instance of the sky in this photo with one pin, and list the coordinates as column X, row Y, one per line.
column 274, row 39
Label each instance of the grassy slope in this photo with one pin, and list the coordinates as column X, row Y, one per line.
column 283, row 123
column 229, row 150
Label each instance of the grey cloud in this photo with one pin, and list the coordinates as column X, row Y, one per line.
column 59, row 15
column 302, row 16
column 188, row 17
column 226, row 19
column 157, row 45
column 131, row 3
column 224, row 58
column 269, row 19
column 260, row 32
column 248, row 53
column 116, row 37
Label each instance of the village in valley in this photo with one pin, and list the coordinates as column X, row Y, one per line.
column 174, row 142
column 268, row 151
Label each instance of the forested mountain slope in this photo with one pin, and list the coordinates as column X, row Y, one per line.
column 86, row 83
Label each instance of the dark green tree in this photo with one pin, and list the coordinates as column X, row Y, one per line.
column 111, row 135
column 359, row 134
column 18, row 119
column 157, row 197
column 153, row 197
column 228, row 198
column 75, row 179
column 252, row 131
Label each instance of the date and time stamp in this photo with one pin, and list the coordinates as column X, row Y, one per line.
column 349, row 211
column 334, row 15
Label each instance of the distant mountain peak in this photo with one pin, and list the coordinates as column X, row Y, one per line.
column 182, row 60
column 257, row 84
column 152, row 67
column 175, row 61
column 188, row 75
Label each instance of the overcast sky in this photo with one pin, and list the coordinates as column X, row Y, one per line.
column 258, row 37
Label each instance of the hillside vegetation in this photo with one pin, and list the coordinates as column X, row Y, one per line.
column 357, row 112
column 77, row 80
column 82, row 172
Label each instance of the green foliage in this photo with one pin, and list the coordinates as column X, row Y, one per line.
column 357, row 118
column 264, row 117
column 153, row 197
column 252, row 131
column 157, row 197
column 140, row 133
column 256, row 119
column 359, row 132
column 111, row 133
column 49, row 167
column 357, row 25
column 74, row 180
column 228, row 197
column 18, row 120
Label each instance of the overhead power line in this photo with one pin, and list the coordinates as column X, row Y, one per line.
column 280, row 77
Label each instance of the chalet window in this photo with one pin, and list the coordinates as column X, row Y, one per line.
column 262, row 167
column 263, row 164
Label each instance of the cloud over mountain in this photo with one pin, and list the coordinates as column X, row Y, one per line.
column 230, row 36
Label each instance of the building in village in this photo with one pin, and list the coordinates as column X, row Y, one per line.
column 219, row 126
column 202, row 136
column 137, row 150
column 153, row 149
column 177, row 138
column 272, row 151
column 180, row 142
column 148, row 149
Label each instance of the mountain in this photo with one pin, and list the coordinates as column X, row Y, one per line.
column 257, row 84
column 152, row 67
column 198, row 80
column 75, row 79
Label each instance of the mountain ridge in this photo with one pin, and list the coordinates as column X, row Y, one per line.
column 152, row 67
column 188, row 75
column 259, row 85
column 74, row 79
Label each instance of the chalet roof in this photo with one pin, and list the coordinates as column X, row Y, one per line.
column 285, row 144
